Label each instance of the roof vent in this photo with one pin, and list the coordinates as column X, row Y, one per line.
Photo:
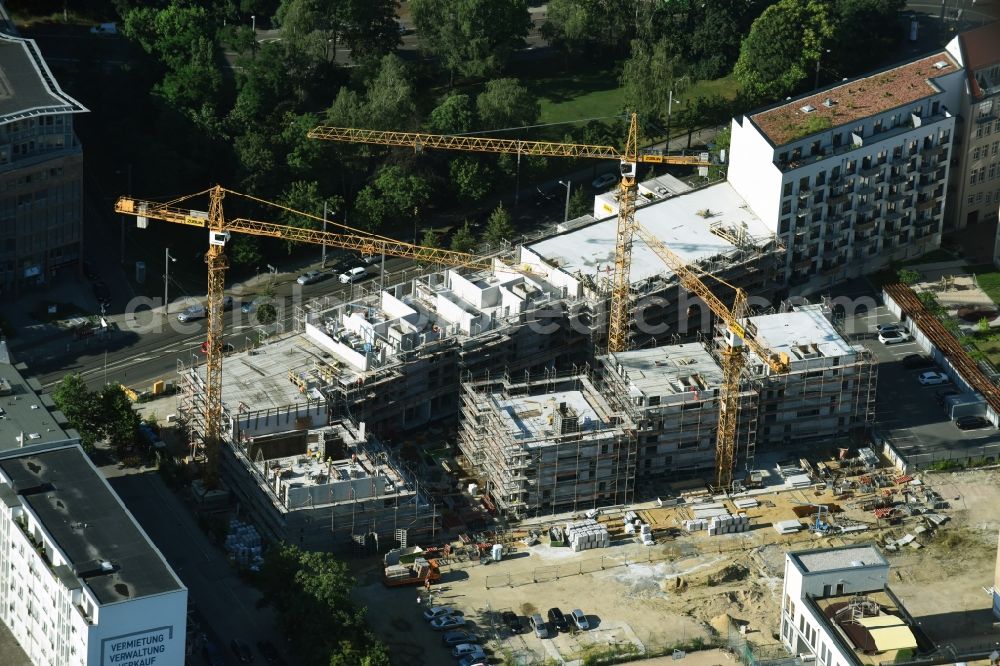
column 808, row 108
column 828, row 102
column 940, row 64
column 857, row 563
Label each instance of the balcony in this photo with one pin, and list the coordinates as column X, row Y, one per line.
column 838, row 198
column 870, row 170
column 865, row 226
column 926, row 205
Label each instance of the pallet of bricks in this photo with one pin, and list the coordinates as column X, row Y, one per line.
column 587, row 534
column 728, row 524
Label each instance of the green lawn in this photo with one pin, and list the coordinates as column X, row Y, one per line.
column 991, row 347
column 989, row 281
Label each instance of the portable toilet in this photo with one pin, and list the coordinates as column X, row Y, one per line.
column 497, row 552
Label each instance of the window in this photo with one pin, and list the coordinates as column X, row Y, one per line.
column 975, row 153
column 989, row 195
column 996, row 145
column 787, row 190
column 979, row 198
column 979, row 132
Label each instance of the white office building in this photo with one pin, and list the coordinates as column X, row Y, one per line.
column 81, row 582
column 852, row 177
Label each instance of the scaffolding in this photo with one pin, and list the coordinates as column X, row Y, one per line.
column 536, row 452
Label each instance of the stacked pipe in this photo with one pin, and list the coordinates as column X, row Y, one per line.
column 244, row 545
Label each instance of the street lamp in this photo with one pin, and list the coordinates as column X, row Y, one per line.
column 818, row 58
column 253, row 29
column 323, row 262
column 128, row 170
column 166, row 279
column 273, row 271
column 568, row 184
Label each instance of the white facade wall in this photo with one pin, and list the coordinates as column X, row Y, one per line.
column 752, row 171
column 59, row 622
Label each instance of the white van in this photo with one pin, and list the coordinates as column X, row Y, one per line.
column 191, row 313
column 353, row 275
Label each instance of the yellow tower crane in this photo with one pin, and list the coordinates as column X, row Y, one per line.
column 219, row 230
column 733, row 357
column 618, row 324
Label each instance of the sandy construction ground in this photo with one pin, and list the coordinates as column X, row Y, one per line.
column 687, row 587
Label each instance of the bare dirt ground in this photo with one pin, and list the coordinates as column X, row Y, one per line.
column 686, row 588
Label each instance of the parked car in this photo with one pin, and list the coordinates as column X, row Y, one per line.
column 353, row 274
column 437, row 611
column 269, row 651
column 971, row 422
column 468, row 650
column 580, row 620
column 538, row 625
column 311, row 277
column 932, row 378
column 917, row 362
column 472, row 660
column 104, row 29
column 512, row 621
column 459, row 637
column 448, row 622
column 943, row 395
column 893, row 337
column 604, row 180
column 191, row 313
column 227, row 302
column 241, row 650
column 886, row 328
column 246, row 307
column 558, row 620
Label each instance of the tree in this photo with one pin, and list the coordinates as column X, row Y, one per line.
column 873, row 23
column 471, row 176
column 580, row 203
column 649, row 76
column 782, row 49
column 454, row 115
column 304, row 196
column 371, row 209
column 245, row 251
column 463, row 240
column 121, row 421
column 404, row 191
column 389, row 96
column 983, row 326
column 367, row 27
column 82, row 409
column 506, row 103
column 499, row 227
column 266, row 313
column 472, row 38
column 579, row 25
column 431, row 238
column 908, row 276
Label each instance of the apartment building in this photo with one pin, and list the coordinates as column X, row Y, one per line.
column 673, row 392
column 41, row 171
column 975, row 194
column 548, row 444
column 855, row 176
column 83, row 584
column 829, row 388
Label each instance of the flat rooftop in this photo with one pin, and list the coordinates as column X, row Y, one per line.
column 27, row 87
column 834, row 559
column 88, row 523
column 682, row 222
column 260, row 377
column 533, row 417
column 24, row 414
column 859, row 98
column 801, row 333
column 669, row 370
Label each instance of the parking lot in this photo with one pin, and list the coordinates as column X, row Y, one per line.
column 909, row 414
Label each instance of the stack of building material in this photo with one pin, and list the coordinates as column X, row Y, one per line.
column 646, row 534
column 798, row 481
column 421, row 566
column 787, row 527
column 709, row 510
column 728, row 524
column 397, row 572
column 746, row 503
column 243, row 545
column 695, row 525
column 587, row 534
column 630, row 517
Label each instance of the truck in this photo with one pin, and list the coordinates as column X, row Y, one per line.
column 409, row 566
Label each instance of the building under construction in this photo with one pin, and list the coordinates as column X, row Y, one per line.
column 652, row 416
column 828, row 391
column 547, row 444
column 301, row 477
